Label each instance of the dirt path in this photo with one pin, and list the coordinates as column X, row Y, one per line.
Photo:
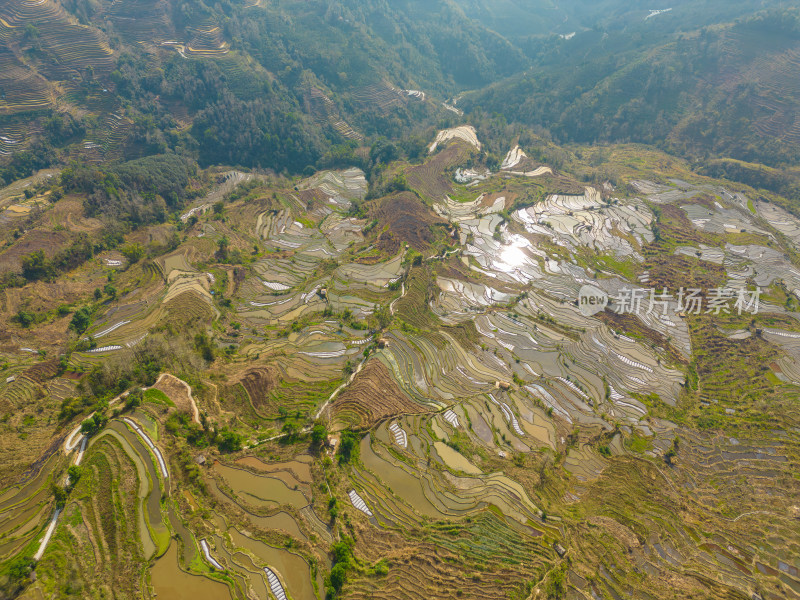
column 48, row 534
column 403, row 293
column 341, row 387
column 167, row 383
column 756, row 512
column 447, row 254
column 71, row 442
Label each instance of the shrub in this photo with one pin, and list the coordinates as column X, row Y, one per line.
column 229, row 441
column 348, row 447
column 81, row 320
column 93, row 424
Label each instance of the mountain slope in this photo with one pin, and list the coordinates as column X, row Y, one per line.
column 145, row 76
column 724, row 91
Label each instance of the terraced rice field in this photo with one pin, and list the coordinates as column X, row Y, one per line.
column 481, row 435
column 325, row 112
column 466, row 133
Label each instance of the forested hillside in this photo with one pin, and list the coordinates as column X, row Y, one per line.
column 295, row 85
column 719, row 92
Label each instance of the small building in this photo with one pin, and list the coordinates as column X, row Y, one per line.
column 382, row 343
column 560, row 550
column 502, row 385
column 200, row 459
column 11, row 379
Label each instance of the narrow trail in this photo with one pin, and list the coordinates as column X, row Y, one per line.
column 71, row 443
column 444, row 256
column 330, row 399
column 73, row 440
column 195, row 411
column 403, row 293
column 341, row 387
column 48, row 534
column 755, row 512
column 83, row 442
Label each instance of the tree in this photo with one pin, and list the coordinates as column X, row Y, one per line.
column 60, row 495
column 134, row 399
column 338, row 577
column 25, row 318
column 20, row 568
column 204, row 346
column 229, row 441
column 383, row 151
column 343, row 560
column 81, row 320
column 319, row 433
column 555, row 588
column 74, row 473
column 93, row 424
column 37, row 266
column 291, row 430
column 348, row 447
column 222, row 248
column 383, row 316
column 133, row 252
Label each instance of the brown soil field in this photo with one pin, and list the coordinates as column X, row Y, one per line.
column 630, row 324
column 176, row 390
column 69, row 212
column 373, row 396
column 48, row 241
column 424, row 570
column 673, row 272
column 431, row 179
column 407, row 218
column 258, row 383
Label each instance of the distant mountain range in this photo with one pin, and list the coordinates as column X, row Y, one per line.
column 285, row 85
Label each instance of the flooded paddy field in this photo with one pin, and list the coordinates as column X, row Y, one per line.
column 263, row 491
column 170, row 581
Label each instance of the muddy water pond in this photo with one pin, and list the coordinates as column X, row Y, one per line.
column 281, row 521
column 254, row 574
column 189, row 548
column 293, row 568
column 480, row 427
column 169, row 582
column 260, row 490
column 455, row 460
column 399, row 481
column 299, row 467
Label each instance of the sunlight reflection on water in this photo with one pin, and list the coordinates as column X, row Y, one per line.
column 513, row 256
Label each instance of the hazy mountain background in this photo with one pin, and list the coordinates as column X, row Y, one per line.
column 290, row 85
